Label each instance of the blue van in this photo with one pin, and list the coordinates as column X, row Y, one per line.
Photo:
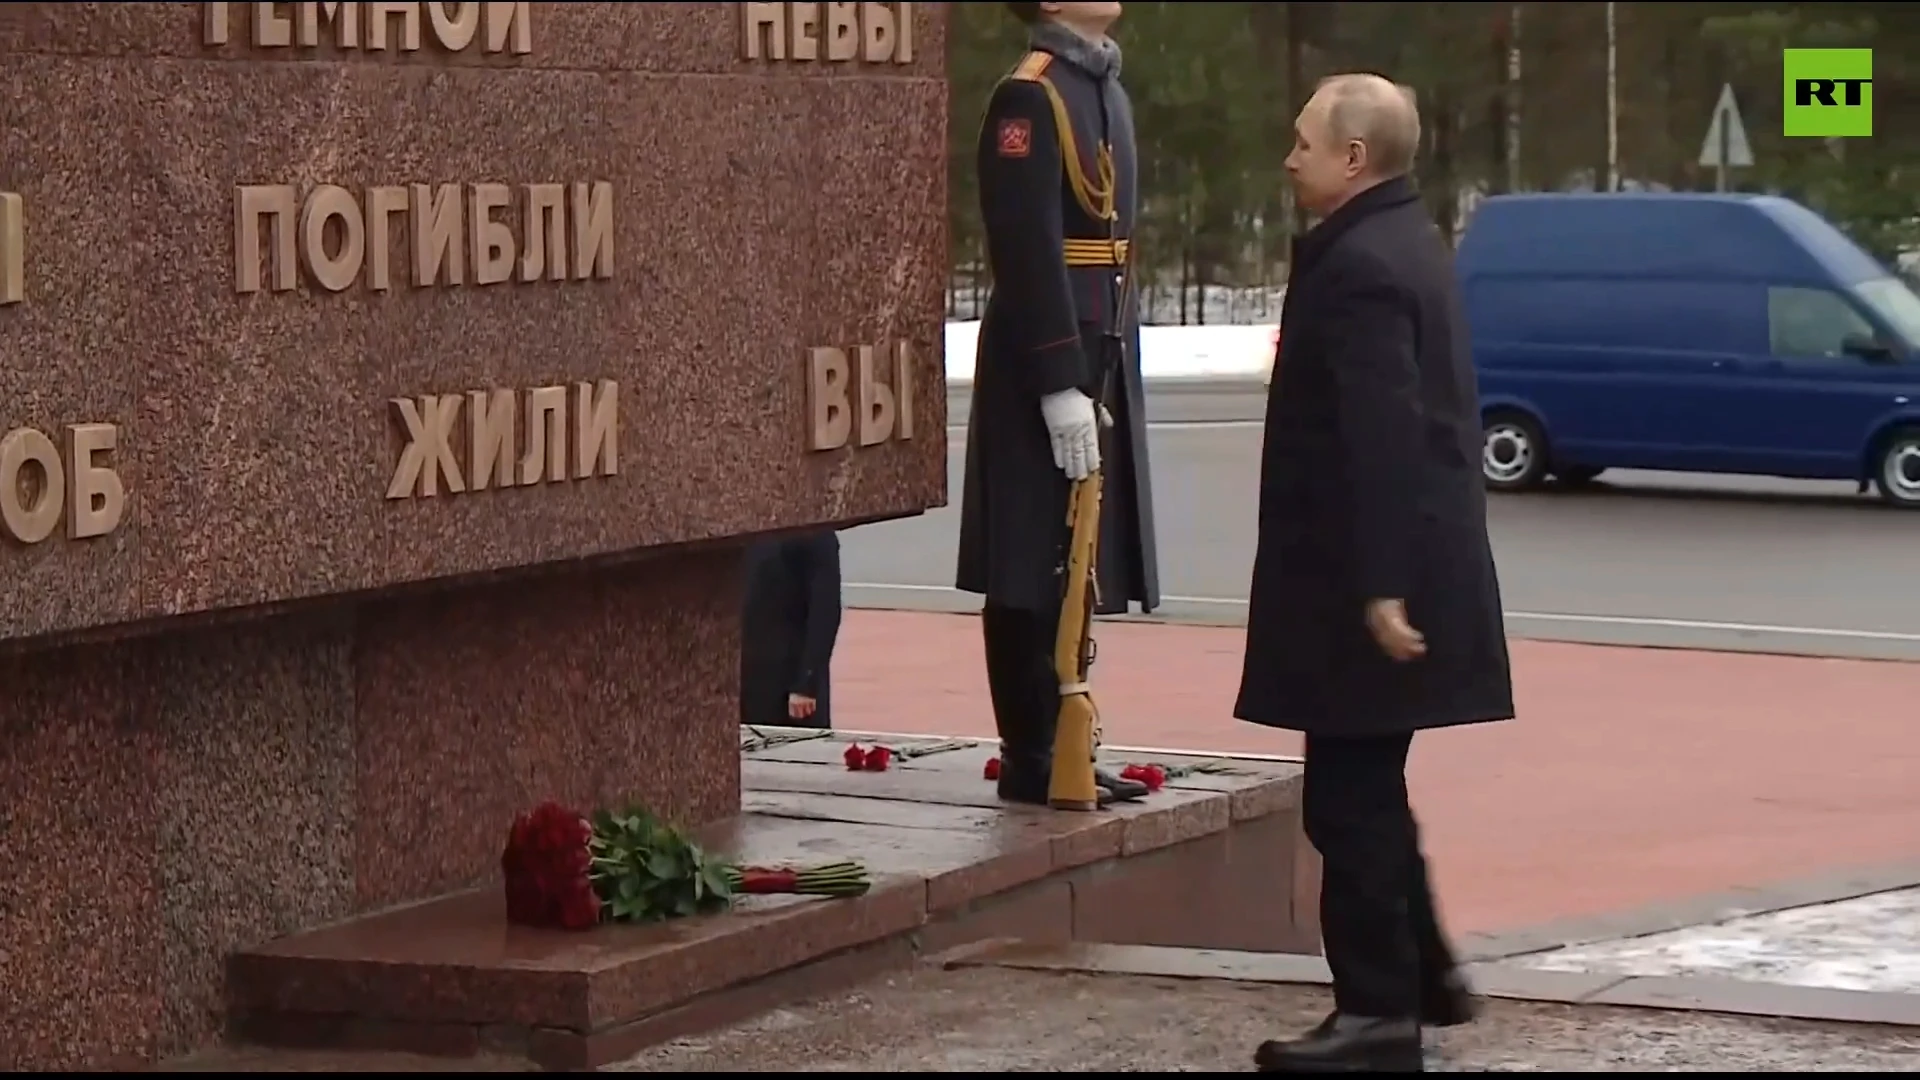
column 1697, row 333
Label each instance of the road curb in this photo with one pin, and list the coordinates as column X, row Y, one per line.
column 1689, row 993
column 1703, row 910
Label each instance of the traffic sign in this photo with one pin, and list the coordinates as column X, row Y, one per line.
column 1726, row 144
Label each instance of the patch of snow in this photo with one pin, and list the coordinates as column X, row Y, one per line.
column 1166, row 352
column 1868, row 943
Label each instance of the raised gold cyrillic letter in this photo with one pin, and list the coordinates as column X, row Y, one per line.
column 489, row 242
column 510, row 28
column 843, row 32
column 876, row 400
column 592, row 214
column 344, row 17
column 456, row 29
column 13, row 248
column 763, row 31
column 491, row 416
column 903, row 386
column 278, row 203
column 543, row 248
column 596, row 426
column 878, row 33
column 378, row 14
column 96, row 497
column 382, row 204
column 546, row 436
column 829, row 410
column 439, row 243
column 30, row 512
column 333, row 271
column 427, row 458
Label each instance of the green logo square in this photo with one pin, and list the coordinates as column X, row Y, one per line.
column 1829, row 92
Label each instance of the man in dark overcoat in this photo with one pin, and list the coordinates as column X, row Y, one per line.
column 1374, row 611
column 790, row 621
column 1057, row 389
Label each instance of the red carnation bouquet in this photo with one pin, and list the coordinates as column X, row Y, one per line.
column 566, row 872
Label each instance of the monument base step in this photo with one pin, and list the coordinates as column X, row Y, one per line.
column 1214, row 860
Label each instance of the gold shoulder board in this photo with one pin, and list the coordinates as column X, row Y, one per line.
column 1032, row 66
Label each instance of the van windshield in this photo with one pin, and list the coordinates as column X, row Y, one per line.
column 1896, row 305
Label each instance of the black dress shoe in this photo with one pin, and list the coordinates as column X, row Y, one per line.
column 1347, row 1044
column 1124, row 790
column 1450, row 1003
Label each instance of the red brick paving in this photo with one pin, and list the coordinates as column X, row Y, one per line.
column 1632, row 776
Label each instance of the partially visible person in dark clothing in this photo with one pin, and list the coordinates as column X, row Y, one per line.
column 790, row 622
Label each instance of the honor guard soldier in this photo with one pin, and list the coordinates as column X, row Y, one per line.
column 1057, row 390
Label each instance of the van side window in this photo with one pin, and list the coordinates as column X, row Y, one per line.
column 1812, row 322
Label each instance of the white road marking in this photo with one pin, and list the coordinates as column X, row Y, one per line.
column 1162, row 425
column 1754, row 629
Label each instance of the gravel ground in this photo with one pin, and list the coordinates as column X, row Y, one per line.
column 998, row 1020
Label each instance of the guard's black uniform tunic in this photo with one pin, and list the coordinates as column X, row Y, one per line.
column 1058, row 194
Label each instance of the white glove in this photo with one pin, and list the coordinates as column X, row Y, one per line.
column 1073, row 422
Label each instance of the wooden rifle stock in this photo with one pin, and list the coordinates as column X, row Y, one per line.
column 1071, row 785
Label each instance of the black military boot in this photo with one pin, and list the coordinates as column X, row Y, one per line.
column 1025, row 777
column 1038, row 758
column 1449, row 1001
column 1347, row 1044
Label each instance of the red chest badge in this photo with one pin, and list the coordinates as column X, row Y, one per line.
column 1015, row 138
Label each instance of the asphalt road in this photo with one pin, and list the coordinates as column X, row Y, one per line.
column 1640, row 558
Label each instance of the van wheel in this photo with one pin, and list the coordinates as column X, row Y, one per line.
column 1897, row 472
column 1513, row 453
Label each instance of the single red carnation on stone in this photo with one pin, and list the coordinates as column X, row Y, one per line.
column 855, row 757
column 878, row 759
column 992, row 771
column 1153, row 776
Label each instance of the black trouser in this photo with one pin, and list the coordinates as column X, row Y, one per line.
column 1022, row 683
column 1382, row 936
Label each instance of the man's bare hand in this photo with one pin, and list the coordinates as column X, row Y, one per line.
column 800, row 706
column 1387, row 621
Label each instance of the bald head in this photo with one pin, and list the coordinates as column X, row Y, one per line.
column 1377, row 113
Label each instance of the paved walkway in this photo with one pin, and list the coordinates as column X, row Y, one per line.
column 1633, row 776
column 997, row 1020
